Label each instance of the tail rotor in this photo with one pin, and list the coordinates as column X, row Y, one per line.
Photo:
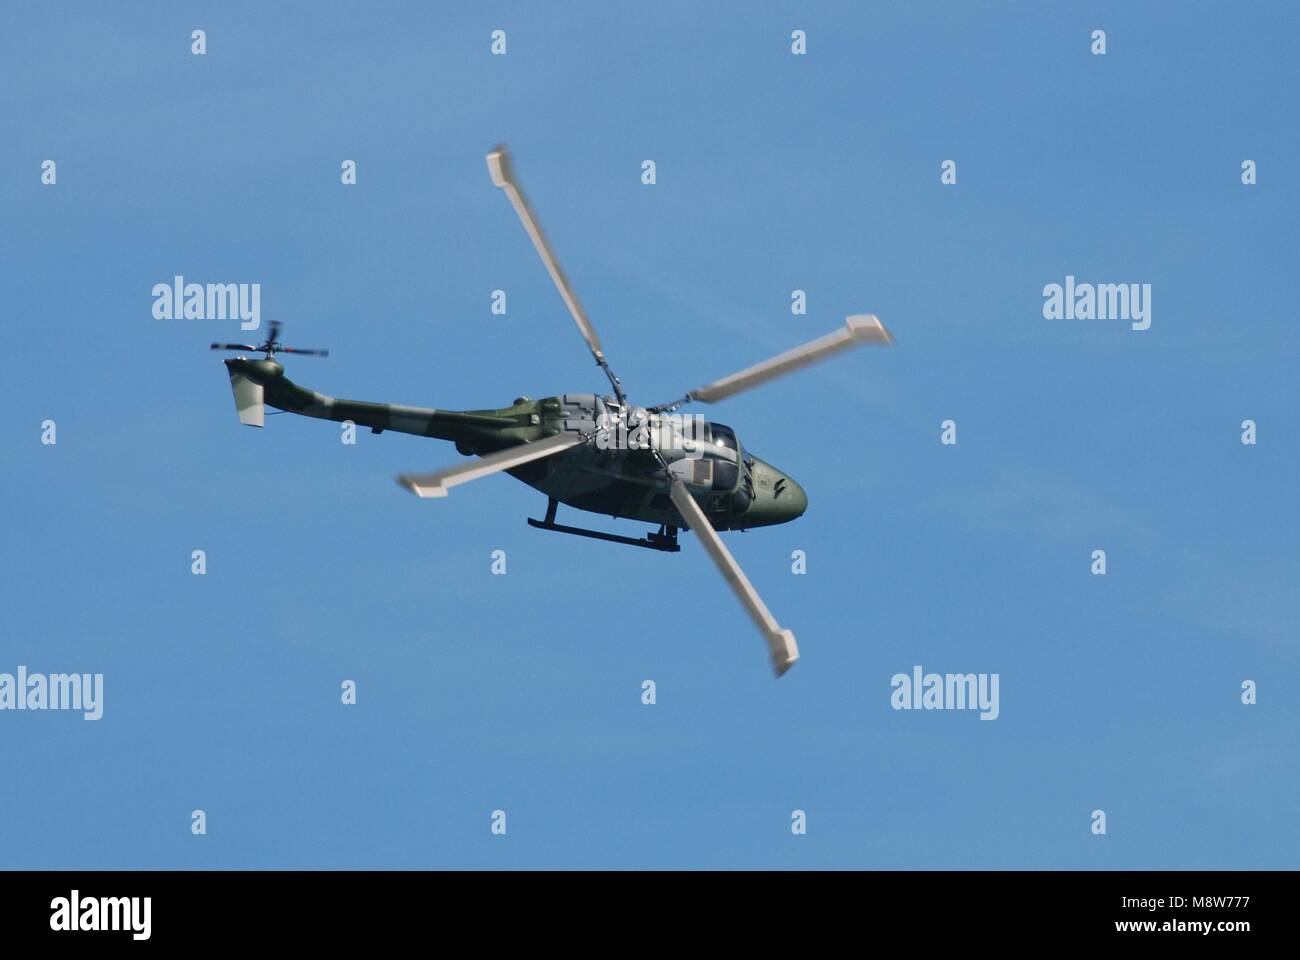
column 271, row 346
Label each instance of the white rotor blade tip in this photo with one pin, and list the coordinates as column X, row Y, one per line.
column 784, row 652
column 498, row 166
column 410, row 483
column 867, row 328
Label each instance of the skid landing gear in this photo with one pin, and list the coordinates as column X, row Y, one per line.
column 665, row 539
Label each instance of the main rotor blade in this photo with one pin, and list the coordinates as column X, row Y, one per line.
column 858, row 330
column 779, row 640
column 503, row 176
column 305, row 353
column 235, row 346
column 437, row 484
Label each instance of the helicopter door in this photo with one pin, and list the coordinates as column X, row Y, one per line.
column 725, row 475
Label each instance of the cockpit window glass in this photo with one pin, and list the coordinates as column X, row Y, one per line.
column 725, row 475
column 724, row 436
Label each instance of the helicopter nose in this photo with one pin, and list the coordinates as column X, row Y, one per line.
column 798, row 501
column 779, row 497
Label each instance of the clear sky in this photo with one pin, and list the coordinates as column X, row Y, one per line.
column 775, row 172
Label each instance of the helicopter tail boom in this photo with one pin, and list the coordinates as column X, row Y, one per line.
column 259, row 383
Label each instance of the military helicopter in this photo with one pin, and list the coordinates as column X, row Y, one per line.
column 601, row 454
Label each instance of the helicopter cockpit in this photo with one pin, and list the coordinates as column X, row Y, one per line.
column 706, row 455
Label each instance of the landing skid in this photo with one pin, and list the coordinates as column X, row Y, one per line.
column 665, row 539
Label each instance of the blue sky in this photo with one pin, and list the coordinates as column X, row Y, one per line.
column 522, row 692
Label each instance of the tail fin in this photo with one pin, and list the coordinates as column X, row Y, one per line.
column 248, row 399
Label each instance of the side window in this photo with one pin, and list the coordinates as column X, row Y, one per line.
column 724, row 436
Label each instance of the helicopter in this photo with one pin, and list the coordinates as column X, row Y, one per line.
column 591, row 452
